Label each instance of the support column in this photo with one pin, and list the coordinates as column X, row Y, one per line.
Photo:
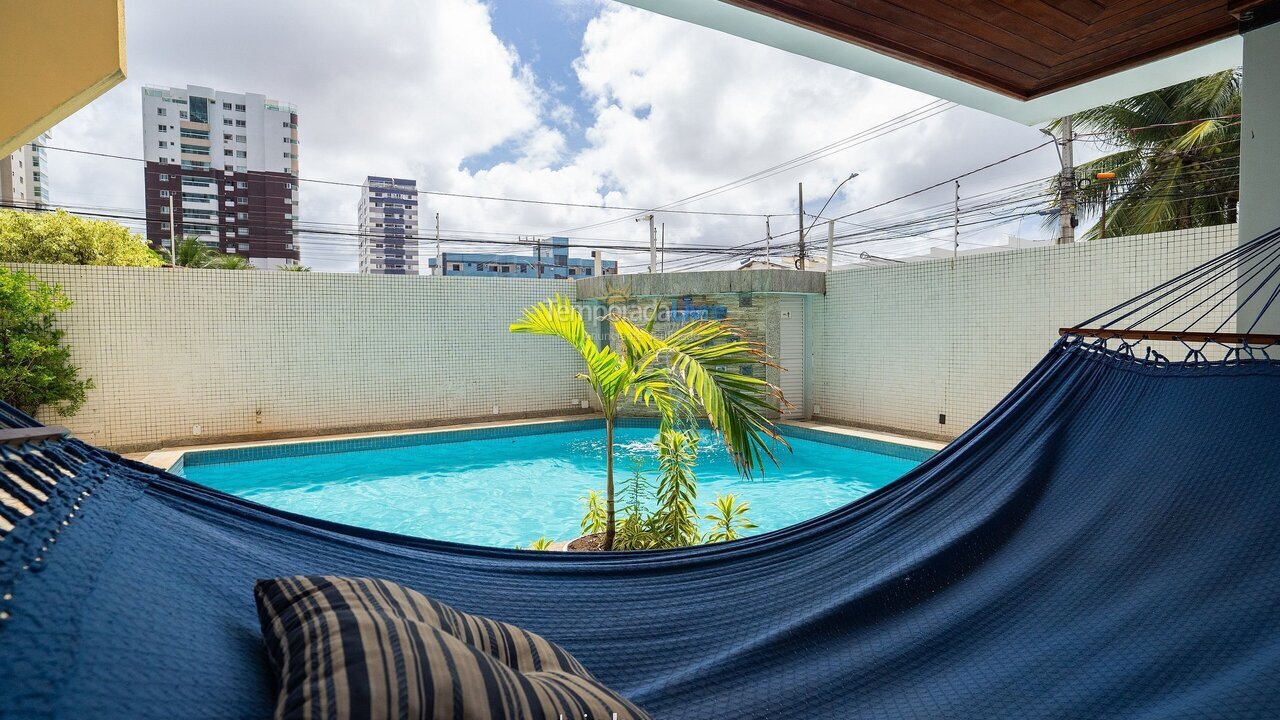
column 1260, row 161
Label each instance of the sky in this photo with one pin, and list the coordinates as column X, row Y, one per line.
column 589, row 102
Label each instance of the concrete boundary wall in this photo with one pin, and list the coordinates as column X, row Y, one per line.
column 197, row 356
column 897, row 347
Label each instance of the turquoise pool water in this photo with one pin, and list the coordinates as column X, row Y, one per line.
column 510, row 486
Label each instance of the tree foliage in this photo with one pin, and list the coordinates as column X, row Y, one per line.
column 35, row 367
column 1178, row 165
column 60, row 238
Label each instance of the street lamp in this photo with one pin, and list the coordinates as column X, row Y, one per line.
column 803, row 232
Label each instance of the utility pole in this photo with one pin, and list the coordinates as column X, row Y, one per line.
column 800, row 218
column 955, row 230
column 768, row 241
column 598, row 265
column 831, row 244
column 439, row 255
column 173, row 234
column 663, row 266
column 537, row 243
column 653, row 243
column 1067, row 214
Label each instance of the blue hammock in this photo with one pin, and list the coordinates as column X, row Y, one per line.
column 1104, row 543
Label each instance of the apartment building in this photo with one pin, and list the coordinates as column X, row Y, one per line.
column 388, row 226
column 24, row 178
column 549, row 260
column 222, row 167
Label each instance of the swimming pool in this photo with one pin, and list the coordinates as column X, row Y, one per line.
column 507, row 486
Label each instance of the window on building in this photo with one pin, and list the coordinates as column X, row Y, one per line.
column 242, row 184
column 163, row 159
column 182, row 115
column 242, row 231
column 164, row 177
column 455, row 267
column 288, row 186
column 239, row 108
column 228, row 121
column 241, row 123
column 161, row 111
column 226, row 106
column 164, row 226
column 164, row 193
column 241, row 138
column 243, row 246
column 242, row 201
column 228, row 168
column 200, row 109
column 493, row 268
column 227, row 153
column 164, row 144
column 241, row 154
column 163, row 128
column 242, row 216
column 164, row 209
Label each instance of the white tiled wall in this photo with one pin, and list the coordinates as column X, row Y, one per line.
column 896, row 346
column 196, row 355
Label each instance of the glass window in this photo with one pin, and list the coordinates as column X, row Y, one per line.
column 163, row 159
column 242, row 184
column 163, row 128
column 241, row 154
column 226, row 106
column 240, row 123
column 164, row 193
column 242, row 216
column 182, row 115
column 228, row 153
column 164, row 177
column 164, row 226
column 242, row 201
column 164, row 144
column 242, row 231
column 199, row 109
column 161, row 111
column 227, row 121
column 239, row 108
column 164, row 209
column 241, row 138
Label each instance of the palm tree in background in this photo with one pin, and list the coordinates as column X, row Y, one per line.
column 1179, row 162
column 194, row 254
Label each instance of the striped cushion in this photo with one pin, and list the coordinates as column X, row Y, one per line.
column 361, row 648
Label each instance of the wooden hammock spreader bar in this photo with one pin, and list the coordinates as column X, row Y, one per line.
column 18, row 436
column 1256, row 339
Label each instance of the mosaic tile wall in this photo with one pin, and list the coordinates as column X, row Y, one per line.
column 895, row 347
column 196, row 356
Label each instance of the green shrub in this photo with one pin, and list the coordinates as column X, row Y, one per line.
column 35, row 367
column 60, row 238
column 729, row 519
column 595, row 519
column 542, row 543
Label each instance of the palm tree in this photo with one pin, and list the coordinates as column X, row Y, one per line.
column 1179, row 165
column 191, row 253
column 696, row 370
column 295, row 267
column 229, row 261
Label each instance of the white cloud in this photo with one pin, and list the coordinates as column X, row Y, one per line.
column 416, row 88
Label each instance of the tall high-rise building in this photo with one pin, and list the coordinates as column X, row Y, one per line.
column 222, row 167
column 389, row 226
column 24, row 179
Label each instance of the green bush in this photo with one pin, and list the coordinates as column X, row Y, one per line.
column 35, row 367
column 60, row 238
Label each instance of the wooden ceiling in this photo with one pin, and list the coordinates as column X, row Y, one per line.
column 1021, row 48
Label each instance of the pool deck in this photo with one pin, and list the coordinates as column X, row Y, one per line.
column 166, row 458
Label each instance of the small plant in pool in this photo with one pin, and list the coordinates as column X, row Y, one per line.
column 697, row 371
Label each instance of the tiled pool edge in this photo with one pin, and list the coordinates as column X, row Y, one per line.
column 177, row 459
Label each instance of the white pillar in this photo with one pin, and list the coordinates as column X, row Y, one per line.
column 1260, row 160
